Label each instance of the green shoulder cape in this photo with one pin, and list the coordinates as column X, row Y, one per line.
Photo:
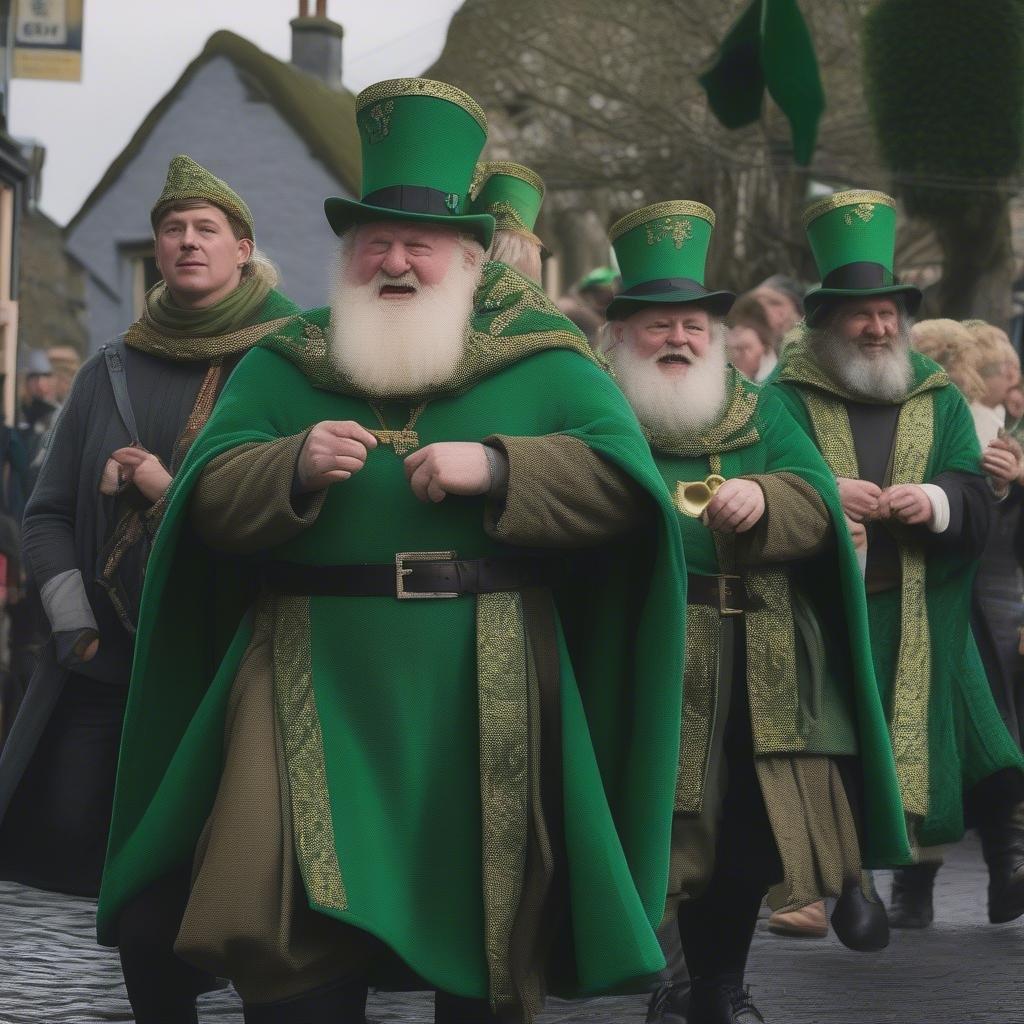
column 758, row 436
column 620, row 643
column 945, row 729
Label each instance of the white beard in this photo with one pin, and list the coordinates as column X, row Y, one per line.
column 397, row 347
column 677, row 404
column 885, row 377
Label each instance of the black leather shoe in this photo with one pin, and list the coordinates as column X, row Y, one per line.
column 723, row 1004
column 860, row 923
column 1003, row 849
column 670, row 1004
column 339, row 1003
column 911, row 902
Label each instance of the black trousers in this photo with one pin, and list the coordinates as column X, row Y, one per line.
column 54, row 835
column 717, row 928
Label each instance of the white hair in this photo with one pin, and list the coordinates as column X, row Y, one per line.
column 519, row 252
column 685, row 404
column 262, row 267
column 394, row 348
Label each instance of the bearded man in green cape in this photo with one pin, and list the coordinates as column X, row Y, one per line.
column 900, row 440
column 435, row 746
column 786, row 778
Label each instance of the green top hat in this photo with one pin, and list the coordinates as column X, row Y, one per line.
column 188, row 181
column 420, row 141
column 853, row 238
column 510, row 193
column 662, row 250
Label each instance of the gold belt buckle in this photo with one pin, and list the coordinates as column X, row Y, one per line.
column 401, row 557
column 723, row 596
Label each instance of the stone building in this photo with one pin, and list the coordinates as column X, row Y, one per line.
column 282, row 134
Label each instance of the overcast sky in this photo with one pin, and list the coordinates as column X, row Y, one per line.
column 134, row 51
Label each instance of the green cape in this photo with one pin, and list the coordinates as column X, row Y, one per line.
column 944, row 725
column 758, row 436
column 620, row 649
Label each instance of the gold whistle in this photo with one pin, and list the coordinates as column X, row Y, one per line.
column 692, row 499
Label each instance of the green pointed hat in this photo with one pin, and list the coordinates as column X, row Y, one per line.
column 510, row 193
column 188, row 181
column 420, row 141
column 662, row 250
column 853, row 238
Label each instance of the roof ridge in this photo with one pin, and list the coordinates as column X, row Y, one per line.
column 301, row 99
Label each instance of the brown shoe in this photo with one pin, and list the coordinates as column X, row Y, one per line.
column 807, row 922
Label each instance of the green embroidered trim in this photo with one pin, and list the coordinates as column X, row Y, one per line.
column 700, row 701
column 908, row 727
column 312, row 822
column 504, row 776
column 726, row 435
column 512, row 319
column 771, row 666
column 908, row 714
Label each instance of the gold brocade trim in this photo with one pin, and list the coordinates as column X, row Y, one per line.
column 771, row 666
column 395, row 87
column 486, row 170
column 503, row 687
column 506, row 218
column 486, row 353
column 312, row 822
column 201, row 412
column 908, row 726
column 839, row 200
column 672, row 207
column 147, row 339
column 908, row 713
column 700, row 703
column 724, row 436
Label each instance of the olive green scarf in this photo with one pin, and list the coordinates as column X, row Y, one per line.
column 170, row 331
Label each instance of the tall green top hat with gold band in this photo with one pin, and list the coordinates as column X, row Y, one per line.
column 510, row 193
column 420, row 141
column 662, row 250
column 853, row 238
column 189, row 182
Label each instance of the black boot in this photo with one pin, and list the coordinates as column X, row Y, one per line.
column 911, row 902
column 1003, row 847
column 669, row 1004
column 720, row 1002
column 861, row 923
column 338, row 1003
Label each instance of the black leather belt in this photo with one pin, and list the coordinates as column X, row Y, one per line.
column 413, row 574
column 726, row 593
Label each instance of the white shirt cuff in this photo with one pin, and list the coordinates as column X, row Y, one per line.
column 940, row 507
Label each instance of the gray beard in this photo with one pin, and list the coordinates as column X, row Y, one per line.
column 885, row 378
column 676, row 406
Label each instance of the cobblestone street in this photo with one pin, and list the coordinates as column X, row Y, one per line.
column 962, row 970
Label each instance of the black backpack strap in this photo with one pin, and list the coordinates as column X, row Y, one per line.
column 119, row 383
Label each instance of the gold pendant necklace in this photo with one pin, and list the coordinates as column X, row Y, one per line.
column 404, row 440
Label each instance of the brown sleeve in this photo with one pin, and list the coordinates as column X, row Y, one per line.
column 243, row 501
column 562, row 494
column 795, row 523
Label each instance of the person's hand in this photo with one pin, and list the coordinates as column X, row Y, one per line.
column 448, row 467
column 906, row 503
column 859, row 498
column 110, row 480
column 737, row 507
column 88, row 646
column 858, row 533
column 142, row 468
column 1002, row 462
column 333, row 451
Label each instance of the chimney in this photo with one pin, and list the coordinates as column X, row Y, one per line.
column 316, row 44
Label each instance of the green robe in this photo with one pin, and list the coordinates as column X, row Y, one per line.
column 946, row 732
column 808, row 694
column 403, row 723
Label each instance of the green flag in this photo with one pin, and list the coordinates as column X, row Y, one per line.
column 768, row 46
